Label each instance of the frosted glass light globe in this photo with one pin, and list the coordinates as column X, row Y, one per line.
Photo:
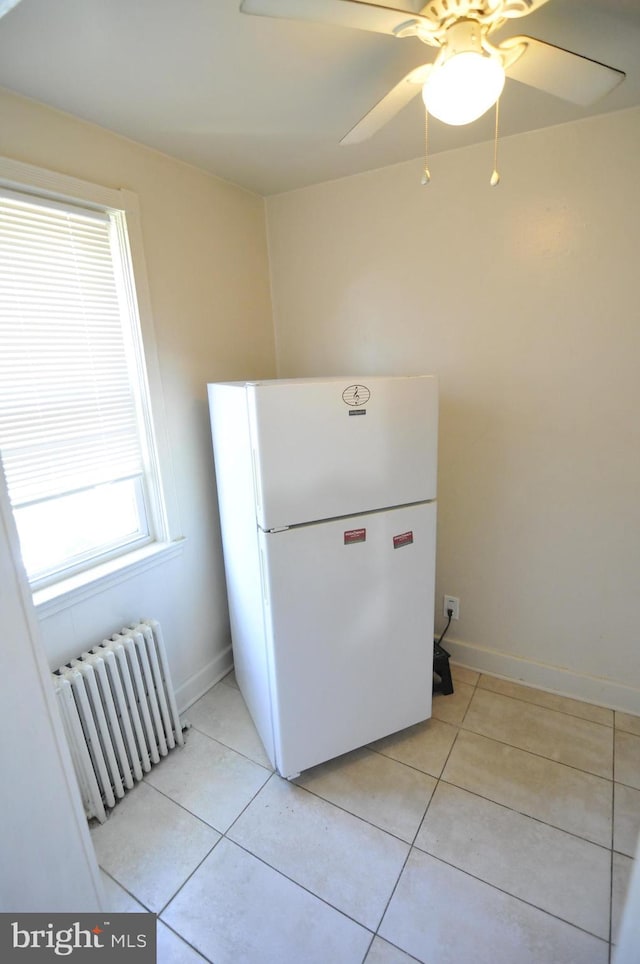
column 463, row 87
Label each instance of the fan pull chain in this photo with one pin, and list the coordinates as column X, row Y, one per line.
column 495, row 177
column 426, row 174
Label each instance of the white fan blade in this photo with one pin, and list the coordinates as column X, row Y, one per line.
column 520, row 8
column 7, row 5
column 560, row 72
column 341, row 13
column 388, row 106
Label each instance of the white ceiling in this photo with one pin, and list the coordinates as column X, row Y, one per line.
column 264, row 102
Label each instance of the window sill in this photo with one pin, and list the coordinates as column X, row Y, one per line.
column 83, row 585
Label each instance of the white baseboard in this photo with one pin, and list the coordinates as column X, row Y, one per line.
column 198, row 684
column 602, row 692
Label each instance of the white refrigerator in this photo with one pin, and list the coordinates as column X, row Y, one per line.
column 327, row 500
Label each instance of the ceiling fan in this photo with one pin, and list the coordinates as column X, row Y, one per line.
column 467, row 76
column 7, row 5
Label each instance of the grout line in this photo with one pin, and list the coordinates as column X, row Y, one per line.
column 197, row 816
column 415, row 837
column 523, row 813
column 541, row 756
column 395, row 886
column 629, row 786
column 546, row 709
column 397, row 947
column 508, row 893
column 468, row 707
column 611, row 908
column 228, row 747
column 453, row 743
column 356, row 816
column 613, row 831
column 297, row 883
column 552, row 709
column 189, row 876
column 621, row 729
column 182, row 807
column 221, row 834
column 369, row 946
column 128, row 892
column 411, row 846
column 613, row 795
column 183, row 939
column 246, row 807
column 362, row 820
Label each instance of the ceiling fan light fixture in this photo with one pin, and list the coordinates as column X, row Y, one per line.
column 462, row 87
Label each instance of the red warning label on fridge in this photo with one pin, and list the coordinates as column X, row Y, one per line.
column 354, row 535
column 404, row 539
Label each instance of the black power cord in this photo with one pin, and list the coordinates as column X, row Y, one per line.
column 441, row 662
column 444, row 631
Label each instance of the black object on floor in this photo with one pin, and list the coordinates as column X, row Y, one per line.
column 442, row 669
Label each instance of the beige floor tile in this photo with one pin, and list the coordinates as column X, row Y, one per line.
column 461, row 674
column 382, row 791
column 222, row 714
column 505, row 868
column 452, row 708
column 336, row 856
column 563, row 704
column 441, row 915
column 150, row 845
column 424, row 746
column 557, row 736
column 562, row 796
column 621, row 875
column 171, row 949
column 627, row 722
column 381, row 952
column 210, row 780
column 236, row 910
column 553, row 870
column 626, row 819
column 627, row 765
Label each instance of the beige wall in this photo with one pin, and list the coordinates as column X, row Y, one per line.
column 524, row 300
column 206, row 258
column 521, row 298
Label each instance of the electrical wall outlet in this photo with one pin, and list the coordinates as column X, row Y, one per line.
column 453, row 603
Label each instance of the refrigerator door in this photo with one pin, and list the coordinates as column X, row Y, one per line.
column 325, row 448
column 349, row 607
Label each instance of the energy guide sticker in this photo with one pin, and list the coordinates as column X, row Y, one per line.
column 355, row 535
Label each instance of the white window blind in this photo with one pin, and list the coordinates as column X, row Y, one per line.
column 69, row 407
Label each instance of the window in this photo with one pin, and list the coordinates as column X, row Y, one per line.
column 75, row 427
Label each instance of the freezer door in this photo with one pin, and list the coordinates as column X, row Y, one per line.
column 350, row 606
column 327, row 448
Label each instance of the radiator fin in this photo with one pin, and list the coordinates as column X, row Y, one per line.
column 119, row 713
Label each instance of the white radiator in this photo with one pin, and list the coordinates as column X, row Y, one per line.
column 119, row 713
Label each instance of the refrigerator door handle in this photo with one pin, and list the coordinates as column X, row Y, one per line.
column 263, row 581
column 256, row 482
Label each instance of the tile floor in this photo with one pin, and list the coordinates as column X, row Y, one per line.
column 500, row 831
